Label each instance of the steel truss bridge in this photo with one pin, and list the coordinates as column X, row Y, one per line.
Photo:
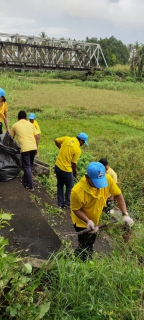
column 36, row 53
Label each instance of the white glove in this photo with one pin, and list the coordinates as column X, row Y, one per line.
column 95, row 230
column 91, row 224
column 128, row 220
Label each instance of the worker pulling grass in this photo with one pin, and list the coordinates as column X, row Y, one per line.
column 88, row 197
column 66, row 165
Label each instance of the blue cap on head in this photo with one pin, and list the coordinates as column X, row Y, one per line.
column 31, row 116
column 83, row 136
column 2, row 92
column 96, row 172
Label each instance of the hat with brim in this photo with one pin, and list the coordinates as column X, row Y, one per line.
column 2, row 92
column 83, row 136
column 97, row 173
column 31, row 116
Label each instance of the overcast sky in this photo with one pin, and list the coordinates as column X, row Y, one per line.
column 75, row 19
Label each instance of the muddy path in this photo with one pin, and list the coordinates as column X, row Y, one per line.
column 38, row 227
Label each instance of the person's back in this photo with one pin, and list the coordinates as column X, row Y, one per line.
column 110, row 201
column 66, row 165
column 109, row 170
column 25, row 132
column 112, row 173
column 68, row 153
column 35, row 123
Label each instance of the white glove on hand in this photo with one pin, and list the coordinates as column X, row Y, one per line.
column 128, row 220
column 95, row 230
column 91, row 224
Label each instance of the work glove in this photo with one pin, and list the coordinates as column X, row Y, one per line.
column 90, row 224
column 95, row 230
column 126, row 219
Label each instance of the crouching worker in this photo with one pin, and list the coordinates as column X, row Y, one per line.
column 88, row 197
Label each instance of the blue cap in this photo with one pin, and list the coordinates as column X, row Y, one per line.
column 96, row 172
column 2, row 92
column 83, row 136
column 31, row 116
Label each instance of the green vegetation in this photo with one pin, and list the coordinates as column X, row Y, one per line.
column 114, row 50
column 109, row 287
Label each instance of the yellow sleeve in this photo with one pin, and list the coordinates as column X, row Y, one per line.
column 37, row 127
column 35, row 132
column 76, row 156
column 60, row 140
column 114, row 176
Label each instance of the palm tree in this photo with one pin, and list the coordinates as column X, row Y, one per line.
column 140, row 60
column 130, row 47
column 43, row 34
column 137, row 61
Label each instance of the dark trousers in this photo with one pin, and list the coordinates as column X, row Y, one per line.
column 27, row 164
column 85, row 244
column 1, row 128
column 63, row 179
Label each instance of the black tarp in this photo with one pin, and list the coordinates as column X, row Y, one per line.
column 10, row 157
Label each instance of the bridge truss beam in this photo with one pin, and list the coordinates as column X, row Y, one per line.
column 48, row 54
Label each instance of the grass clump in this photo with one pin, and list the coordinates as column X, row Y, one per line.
column 112, row 85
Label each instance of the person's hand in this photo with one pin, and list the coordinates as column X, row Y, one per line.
column 95, row 230
column 90, row 224
column 75, row 174
column 128, row 220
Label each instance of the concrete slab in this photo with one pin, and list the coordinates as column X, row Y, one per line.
column 31, row 233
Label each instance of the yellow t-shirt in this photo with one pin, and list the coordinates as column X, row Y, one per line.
column 3, row 108
column 37, row 126
column 69, row 152
column 90, row 200
column 25, row 133
column 112, row 173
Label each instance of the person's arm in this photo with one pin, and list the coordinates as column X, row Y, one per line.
column 6, row 121
column 81, row 215
column 57, row 144
column 122, row 205
column 74, row 169
column 37, row 139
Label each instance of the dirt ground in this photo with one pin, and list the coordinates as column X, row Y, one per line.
column 38, row 226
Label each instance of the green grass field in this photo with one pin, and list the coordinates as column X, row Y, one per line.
column 111, row 287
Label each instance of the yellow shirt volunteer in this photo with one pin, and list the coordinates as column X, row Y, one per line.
column 69, row 152
column 25, row 132
column 37, row 127
column 112, row 173
column 3, row 109
column 90, row 200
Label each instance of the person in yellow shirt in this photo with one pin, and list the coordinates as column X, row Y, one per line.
column 32, row 119
column 113, row 174
column 3, row 111
column 88, row 197
column 66, row 165
column 27, row 138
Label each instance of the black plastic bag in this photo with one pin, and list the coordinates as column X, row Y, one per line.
column 10, row 157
